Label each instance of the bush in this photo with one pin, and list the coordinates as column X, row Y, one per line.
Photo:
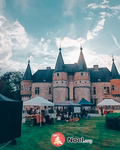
column 113, row 121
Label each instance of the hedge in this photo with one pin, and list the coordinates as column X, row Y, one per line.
column 113, row 121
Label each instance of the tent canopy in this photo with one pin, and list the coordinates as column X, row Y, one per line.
column 67, row 104
column 84, row 102
column 108, row 102
column 38, row 101
column 4, row 98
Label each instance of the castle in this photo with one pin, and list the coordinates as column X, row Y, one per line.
column 72, row 82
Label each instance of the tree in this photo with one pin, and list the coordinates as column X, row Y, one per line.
column 10, row 84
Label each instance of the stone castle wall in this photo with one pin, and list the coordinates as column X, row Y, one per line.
column 101, row 93
column 44, row 90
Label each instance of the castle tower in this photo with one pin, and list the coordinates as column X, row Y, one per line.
column 81, row 80
column 60, row 80
column 26, row 84
column 115, row 81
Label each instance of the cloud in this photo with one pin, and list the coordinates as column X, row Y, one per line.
column 102, row 6
column 94, row 32
column 71, row 5
column 115, row 40
column 12, row 36
column 2, row 5
column 16, row 46
column 88, row 18
column 105, row 2
column 68, row 42
column 105, row 14
column 91, row 58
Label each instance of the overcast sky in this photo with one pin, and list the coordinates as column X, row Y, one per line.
column 35, row 29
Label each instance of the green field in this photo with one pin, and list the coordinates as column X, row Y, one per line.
column 36, row 138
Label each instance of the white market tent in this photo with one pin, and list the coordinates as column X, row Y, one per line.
column 38, row 101
column 108, row 102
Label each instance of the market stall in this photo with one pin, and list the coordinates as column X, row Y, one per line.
column 38, row 101
column 109, row 105
column 71, row 105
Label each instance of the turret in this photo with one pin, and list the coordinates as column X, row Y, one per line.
column 81, row 80
column 60, row 80
column 26, row 84
column 115, row 80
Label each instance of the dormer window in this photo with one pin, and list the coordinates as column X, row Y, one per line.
column 58, row 74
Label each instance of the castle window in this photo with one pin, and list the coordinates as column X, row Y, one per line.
column 66, row 82
column 37, row 90
column 108, row 90
column 94, row 90
column 81, row 73
column 85, row 81
column 56, row 82
column 21, row 88
column 88, row 74
column 113, row 87
column 99, row 79
column 30, row 88
column 49, row 90
column 58, row 74
column 62, row 81
column 80, row 81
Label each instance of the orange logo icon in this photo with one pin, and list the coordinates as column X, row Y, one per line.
column 57, row 139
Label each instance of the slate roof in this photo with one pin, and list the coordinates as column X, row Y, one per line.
column 81, row 62
column 71, row 68
column 114, row 71
column 43, row 75
column 60, row 63
column 28, row 73
column 103, row 74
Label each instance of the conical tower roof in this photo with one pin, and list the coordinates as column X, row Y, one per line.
column 28, row 73
column 81, row 62
column 60, row 63
column 114, row 71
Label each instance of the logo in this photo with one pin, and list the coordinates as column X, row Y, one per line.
column 57, row 139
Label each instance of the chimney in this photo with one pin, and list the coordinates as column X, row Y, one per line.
column 95, row 67
column 48, row 68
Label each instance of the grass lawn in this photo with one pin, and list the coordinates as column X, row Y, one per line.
column 36, row 138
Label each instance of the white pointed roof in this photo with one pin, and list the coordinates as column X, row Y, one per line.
column 108, row 102
column 38, row 101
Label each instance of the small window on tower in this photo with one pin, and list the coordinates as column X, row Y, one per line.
column 81, row 73
column 58, row 74
column 30, row 88
column 21, row 88
column 108, row 90
column 113, row 87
